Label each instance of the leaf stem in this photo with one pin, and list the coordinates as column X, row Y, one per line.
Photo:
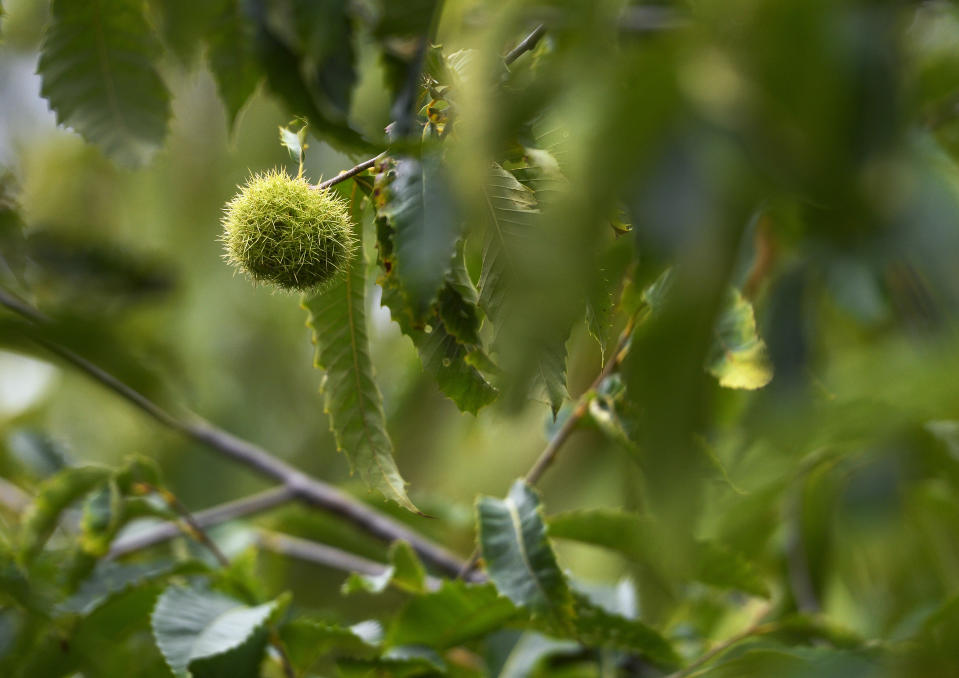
column 192, row 527
column 350, row 173
column 301, row 486
column 756, row 628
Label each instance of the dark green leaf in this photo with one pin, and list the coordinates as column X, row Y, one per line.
column 232, row 57
column 98, row 73
column 352, row 397
column 518, row 555
column 426, row 227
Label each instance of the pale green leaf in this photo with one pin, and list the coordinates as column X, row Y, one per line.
column 201, row 632
column 98, row 72
column 352, row 397
column 531, row 650
column 738, row 357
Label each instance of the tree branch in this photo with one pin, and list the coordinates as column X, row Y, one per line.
column 327, row 556
column 301, row 486
column 350, row 173
column 528, row 43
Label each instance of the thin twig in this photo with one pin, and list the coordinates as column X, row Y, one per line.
column 348, row 174
column 325, row 555
column 216, row 515
column 555, row 443
column 190, row 524
column 304, row 488
column 528, row 43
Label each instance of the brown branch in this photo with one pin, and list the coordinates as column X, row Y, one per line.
column 301, row 486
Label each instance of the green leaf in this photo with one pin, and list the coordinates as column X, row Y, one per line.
column 450, row 362
column 637, row 538
column 594, row 626
column 294, row 142
column 110, row 579
column 294, row 75
column 738, row 357
column 306, row 640
column 518, row 556
column 101, row 519
column 397, row 662
column 531, row 650
column 405, row 572
column 232, row 57
column 204, row 633
column 454, row 614
column 53, row 496
column 457, row 303
column 797, row 662
column 420, row 208
column 352, row 397
column 513, row 212
column 98, row 73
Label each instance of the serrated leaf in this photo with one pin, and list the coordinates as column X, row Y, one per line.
column 98, row 73
column 306, row 640
column 352, row 397
column 594, row 626
column 512, row 210
column 232, row 57
column 201, row 632
column 405, row 572
column 454, row 614
column 457, row 303
column 293, row 77
column 426, row 227
column 397, row 662
column 450, row 362
column 53, row 496
column 110, row 579
column 519, row 558
column 738, row 357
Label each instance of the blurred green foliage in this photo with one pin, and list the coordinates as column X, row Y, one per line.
column 743, row 215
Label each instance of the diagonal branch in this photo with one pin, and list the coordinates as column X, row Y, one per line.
column 301, row 486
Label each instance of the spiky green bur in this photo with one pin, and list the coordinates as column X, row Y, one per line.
column 280, row 230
